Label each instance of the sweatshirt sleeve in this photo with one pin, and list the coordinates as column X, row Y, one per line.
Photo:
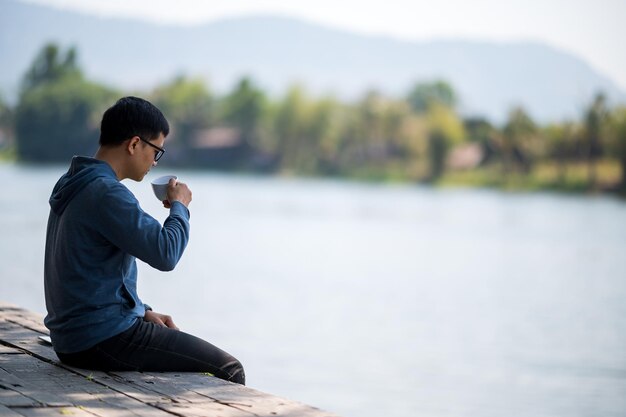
column 123, row 222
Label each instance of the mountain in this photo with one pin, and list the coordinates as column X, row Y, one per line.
column 490, row 78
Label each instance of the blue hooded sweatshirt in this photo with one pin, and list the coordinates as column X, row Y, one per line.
column 96, row 230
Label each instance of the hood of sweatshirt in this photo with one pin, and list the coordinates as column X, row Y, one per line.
column 83, row 170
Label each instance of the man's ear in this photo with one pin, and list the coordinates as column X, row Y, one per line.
column 132, row 144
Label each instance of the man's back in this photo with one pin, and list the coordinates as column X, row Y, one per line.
column 95, row 230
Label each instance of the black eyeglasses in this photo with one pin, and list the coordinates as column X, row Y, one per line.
column 160, row 151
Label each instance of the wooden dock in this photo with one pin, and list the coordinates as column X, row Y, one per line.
column 34, row 383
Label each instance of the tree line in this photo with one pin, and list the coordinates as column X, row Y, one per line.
column 420, row 137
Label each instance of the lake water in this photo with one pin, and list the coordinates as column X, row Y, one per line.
column 371, row 300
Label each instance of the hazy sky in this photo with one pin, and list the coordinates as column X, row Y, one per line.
column 592, row 29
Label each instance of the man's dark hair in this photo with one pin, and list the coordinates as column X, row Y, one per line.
column 132, row 116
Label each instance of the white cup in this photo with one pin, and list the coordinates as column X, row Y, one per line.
column 159, row 186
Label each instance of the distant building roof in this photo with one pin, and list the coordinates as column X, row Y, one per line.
column 465, row 156
column 216, row 137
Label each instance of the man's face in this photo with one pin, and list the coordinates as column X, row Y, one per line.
column 145, row 154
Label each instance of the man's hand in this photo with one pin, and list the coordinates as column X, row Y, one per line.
column 160, row 319
column 177, row 191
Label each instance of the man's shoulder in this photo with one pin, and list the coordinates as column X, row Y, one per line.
column 104, row 184
column 108, row 188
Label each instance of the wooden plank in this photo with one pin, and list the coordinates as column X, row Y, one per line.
column 204, row 410
column 167, row 385
column 181, row 388
column 23, row 317
column 46, row 384
column 123, row 385
column 7, row 412
column 7, row 350
column 10, row 398
column 55, row 411
column 33, row 382
column 14, row 335
column 176, row 384
column 33, row 322
column 268, row 406
column 113, row 404
column 107, row 408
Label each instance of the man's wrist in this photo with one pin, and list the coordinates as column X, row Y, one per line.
column 179, row 201
column 184, row 210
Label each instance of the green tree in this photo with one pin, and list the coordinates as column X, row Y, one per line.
column 617, row 144
column 362, row 138
column 520, row 134
column 6, row 126
column 595, row 124
column 561, row 143
column 414, row 145
column 6, row 116
column 445, row 131
column 371, row 127
column 51, row 65
column 480, row 130
column 307, row 133
column 292, row 119
column 424, row 95
column 244, row 108
column 57, row 114
column 57, row 120
column 395, row 114
column 327, row 125
column 188, row 104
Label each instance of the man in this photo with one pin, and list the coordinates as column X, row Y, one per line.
column 96, row 230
